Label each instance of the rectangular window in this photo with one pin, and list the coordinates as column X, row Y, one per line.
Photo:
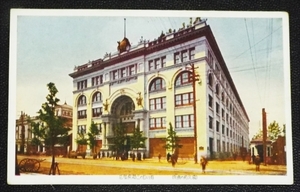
column 152, row 104
column 230, row 133
column 227, row 117
column 81, row 129
column 157, row 123
column 223, row 146
column 223, row 113
column 217, row 126
column 115, row 74
column 223, row 129
column 184, row 121
column 157, row 64
column 192, row 53
column 82, row 114
column 217, row 108
column 184, row 56
column 81, row 84
column 227, row 131
column 96, row 112
column 131, row 70
column 218, row 145
column 123, row 72
column 210, row 122
column 157, row 103
column 163, row 61
column 210, row 101
column 176, row 58
column 184, row 99
column 227, row 149
column 151, row 65
column 98, row 80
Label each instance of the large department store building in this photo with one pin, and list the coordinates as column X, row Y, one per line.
column 150, row 85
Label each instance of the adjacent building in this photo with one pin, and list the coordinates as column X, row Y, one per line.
column 150, row 85
column 24, row 134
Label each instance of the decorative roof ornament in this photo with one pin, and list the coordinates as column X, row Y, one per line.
column 124, row 45
column 197, row 20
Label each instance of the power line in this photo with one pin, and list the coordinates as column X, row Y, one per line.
column 252, row 60
column 257, row 43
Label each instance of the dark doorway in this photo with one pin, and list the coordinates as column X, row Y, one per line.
column 211, row 144
column 260, row 152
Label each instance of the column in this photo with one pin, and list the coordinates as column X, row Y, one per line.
column 104, row 136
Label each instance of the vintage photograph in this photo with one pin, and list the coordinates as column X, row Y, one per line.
column 149, row 97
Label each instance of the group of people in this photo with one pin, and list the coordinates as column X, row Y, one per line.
column 174, row 157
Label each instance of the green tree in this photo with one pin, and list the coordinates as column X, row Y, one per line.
column 274, row 131
column 283, row 130
column 51, row 129
column 81, row 140
column 119, row 137
column 93, row 131
column 137, row 140
column 258, row 135
column 172, row 140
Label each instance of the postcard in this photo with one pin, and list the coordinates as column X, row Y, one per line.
column 149, row 97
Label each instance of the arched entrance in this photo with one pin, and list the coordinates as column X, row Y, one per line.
column 122, row 110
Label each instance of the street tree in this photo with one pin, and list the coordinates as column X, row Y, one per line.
column 137, row 140
column 51, row 129
column 93, row 132
column 274, row 131
column 258, row 135
column 119, row 137
column 172, row 140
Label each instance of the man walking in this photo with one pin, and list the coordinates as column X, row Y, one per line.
column 203, row 163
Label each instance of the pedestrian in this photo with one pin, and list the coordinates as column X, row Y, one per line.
column 257, row 162
column 168, row 157
column 173, row 160
column 159, row 156
column 133, row 157
column 203, row 163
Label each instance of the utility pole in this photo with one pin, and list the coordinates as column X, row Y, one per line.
column 22, row 134
column 264, row 120
column 194, row 78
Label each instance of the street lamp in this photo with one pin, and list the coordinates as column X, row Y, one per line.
column 195, row 77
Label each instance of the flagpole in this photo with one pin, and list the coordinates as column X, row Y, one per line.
column 124, row 27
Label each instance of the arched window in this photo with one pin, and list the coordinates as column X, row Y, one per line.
column 82, row 100
column 210, row 80
column 217, row 89
column 157, row 84
column 97, row 97
column 183, row 78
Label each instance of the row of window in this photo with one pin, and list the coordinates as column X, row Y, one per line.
column 230, row 133
column 96, row 112
column 229, row 105
column 181, row 121
column 229, row 146
column 154, row 64
column 81, row 129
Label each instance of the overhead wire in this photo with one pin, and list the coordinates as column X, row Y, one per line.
column 252, row 60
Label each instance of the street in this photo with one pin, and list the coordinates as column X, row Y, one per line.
column 109, row 166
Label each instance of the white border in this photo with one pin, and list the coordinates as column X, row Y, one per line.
column 107, row 180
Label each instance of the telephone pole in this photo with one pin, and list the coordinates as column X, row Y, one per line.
column 264, row 120
column 22, row 133
column 194, row 78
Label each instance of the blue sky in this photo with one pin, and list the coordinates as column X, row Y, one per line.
column 48, row 48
